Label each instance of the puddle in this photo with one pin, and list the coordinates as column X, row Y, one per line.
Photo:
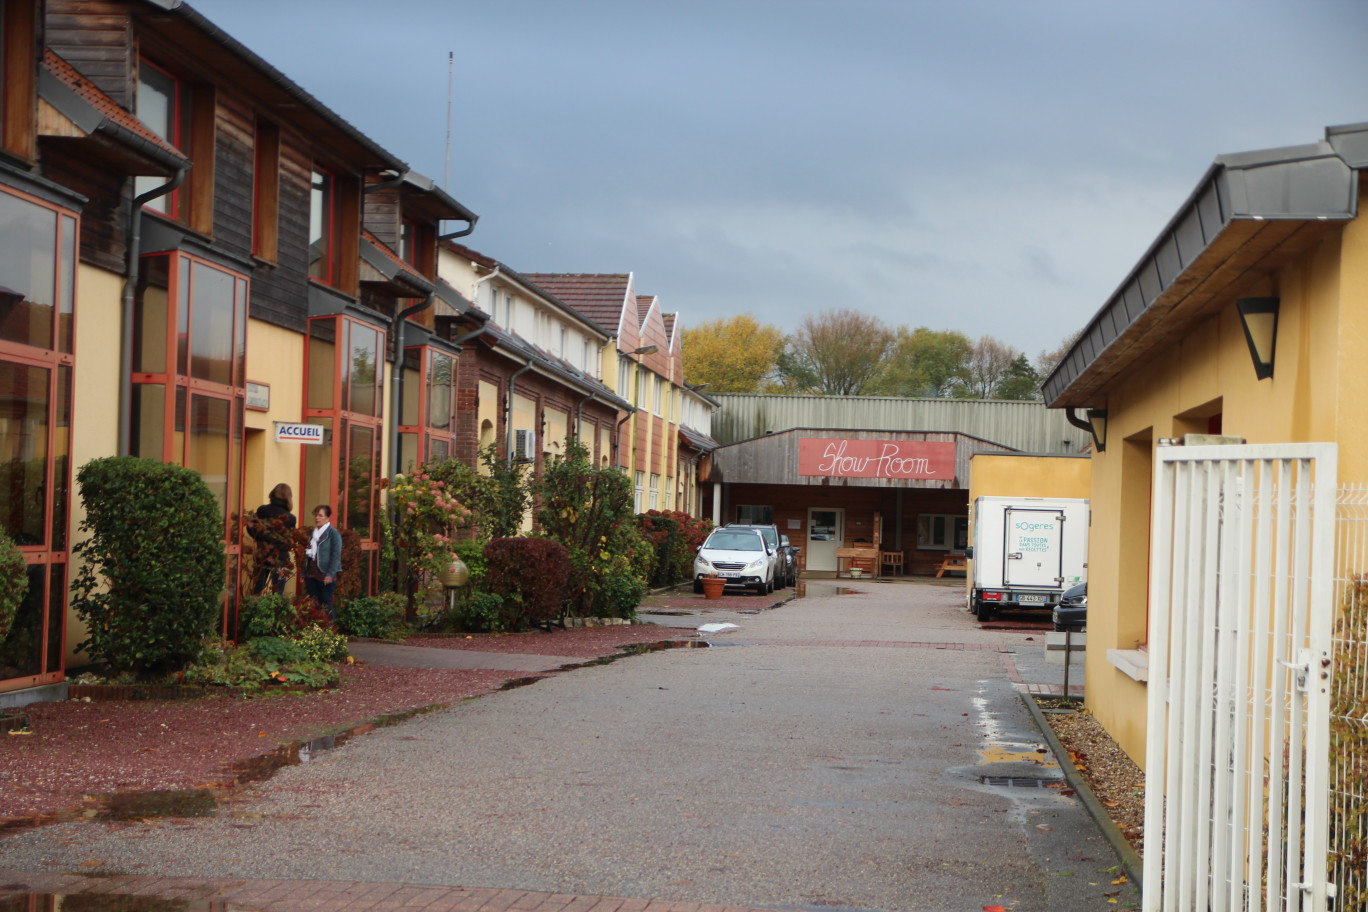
column 138, row 805
column 818, row 589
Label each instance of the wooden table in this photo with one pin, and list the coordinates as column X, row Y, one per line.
column 865, row 559
column 951, row 562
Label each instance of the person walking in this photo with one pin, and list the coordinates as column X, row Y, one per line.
column 271, row 528
column 325, row 559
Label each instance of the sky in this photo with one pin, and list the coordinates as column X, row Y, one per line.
column 982, row 166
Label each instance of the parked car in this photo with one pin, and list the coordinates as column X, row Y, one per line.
column 790, row 559
column 1072, row 611
column 738, row 556
column 771, row 533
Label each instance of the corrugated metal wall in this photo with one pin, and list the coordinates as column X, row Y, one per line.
column 1026, row 426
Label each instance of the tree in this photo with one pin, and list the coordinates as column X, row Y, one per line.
column 1019, row 381
column 923, row 362
column 1048, row 360
column 988, row 362
column 731, row 355
column 837, row 352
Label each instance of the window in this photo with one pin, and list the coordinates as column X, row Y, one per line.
column 266, row 192
column 659, row 388
column 164, row 106
column 655, row 491
column 942, row 532
column 322, row 225
column 755, row 515
column 624, row 376
column 643, row 386
column 345, row 396
column 189, row 359
column 427, row 425
column 640, row 490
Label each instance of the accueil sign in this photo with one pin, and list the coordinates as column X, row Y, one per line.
column 844, row 458
column 285, row 432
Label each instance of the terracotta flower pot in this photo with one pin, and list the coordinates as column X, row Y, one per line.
column 712, row 586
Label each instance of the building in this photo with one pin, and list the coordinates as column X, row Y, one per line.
column 1241, row 319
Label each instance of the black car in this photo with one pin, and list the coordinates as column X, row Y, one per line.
column 1072, row 611
column 790, row 558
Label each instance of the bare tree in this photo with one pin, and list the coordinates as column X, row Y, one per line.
column 1048, row 360
column 989, row 361
column 837, row 352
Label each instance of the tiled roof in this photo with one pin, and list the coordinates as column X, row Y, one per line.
column 599, row 296
column 104, row 105
column 396, row 264
column 488, row 262
column 669, row 320
column 644, row 303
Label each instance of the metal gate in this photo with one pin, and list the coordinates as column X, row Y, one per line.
column 1241, row 610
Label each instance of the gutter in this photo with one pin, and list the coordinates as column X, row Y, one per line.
column 130, row 284
column 617, row 437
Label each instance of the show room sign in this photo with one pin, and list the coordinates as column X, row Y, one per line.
column 835, row 457
column 287, row 432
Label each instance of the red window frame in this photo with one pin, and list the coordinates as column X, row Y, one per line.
column 179, row 130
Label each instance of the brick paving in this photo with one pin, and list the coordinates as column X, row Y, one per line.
column 325, row 896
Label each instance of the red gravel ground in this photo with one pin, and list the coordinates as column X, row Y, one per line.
column 76, row 751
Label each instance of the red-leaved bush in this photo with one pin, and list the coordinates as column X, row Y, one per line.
column 528, row 575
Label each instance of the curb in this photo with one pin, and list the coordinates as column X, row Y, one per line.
column 1131, row 861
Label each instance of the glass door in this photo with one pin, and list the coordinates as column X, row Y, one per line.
column 826, row 531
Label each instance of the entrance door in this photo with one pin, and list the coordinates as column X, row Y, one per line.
column 826, row 531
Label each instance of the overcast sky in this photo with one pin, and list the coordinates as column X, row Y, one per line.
column 990, row 167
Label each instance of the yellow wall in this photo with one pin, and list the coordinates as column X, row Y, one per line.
column 1208, row 370
column 274, row 356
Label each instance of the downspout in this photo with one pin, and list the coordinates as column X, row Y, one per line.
column 508, row 420
column 397, row 330
column 617, row 437
column 130, row 285
column 470, row 335
column 579, row 420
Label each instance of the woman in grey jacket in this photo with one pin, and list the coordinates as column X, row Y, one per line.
column 325, row 559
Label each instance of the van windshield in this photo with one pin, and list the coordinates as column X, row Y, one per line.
column 736, row 541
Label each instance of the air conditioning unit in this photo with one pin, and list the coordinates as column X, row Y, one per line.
column 525, row 444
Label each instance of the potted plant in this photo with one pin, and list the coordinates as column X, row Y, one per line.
column 713, row 585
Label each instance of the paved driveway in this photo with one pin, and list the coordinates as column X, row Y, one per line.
column 829, row 753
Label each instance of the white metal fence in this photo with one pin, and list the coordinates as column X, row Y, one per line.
column 1241, row 610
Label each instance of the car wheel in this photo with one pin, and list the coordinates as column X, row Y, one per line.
column 983, row 611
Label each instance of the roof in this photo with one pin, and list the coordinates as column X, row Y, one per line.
column 405, row 280
column 643, row 303
column 515, row 346
column 1249, row 211
column 92, row 111
column 536, row 288
column 697, row 439
column 599, row 296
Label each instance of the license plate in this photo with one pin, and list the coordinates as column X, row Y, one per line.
column 1032, row 599
column 729, row 574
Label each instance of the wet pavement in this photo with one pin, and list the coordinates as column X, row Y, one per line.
column 857, row 749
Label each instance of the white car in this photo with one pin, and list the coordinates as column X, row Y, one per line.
column 739, row 556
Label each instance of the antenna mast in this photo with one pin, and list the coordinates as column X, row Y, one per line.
column 446, row 172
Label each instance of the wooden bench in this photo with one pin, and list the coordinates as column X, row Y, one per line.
column 952, row 562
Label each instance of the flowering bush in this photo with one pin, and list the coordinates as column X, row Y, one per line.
column 426, row 521
column 676, row 536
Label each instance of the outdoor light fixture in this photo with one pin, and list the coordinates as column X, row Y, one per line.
column 645, row 350
column 1096, row 425
column 1259, row 317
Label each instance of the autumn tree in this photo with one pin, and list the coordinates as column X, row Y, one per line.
column 923, row 362
column 989, row 359
column 731, row 355
column 837, row 353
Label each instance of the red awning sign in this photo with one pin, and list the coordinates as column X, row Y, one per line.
column 843, row 458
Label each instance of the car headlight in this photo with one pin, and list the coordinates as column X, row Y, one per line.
column 701, row 565
column 756, row 564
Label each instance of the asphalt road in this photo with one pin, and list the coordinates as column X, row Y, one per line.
column 828, row 754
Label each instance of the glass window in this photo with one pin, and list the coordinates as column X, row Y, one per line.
column 363, row 373
column 942, row 532
column 213, row 337
column 321, row 226
column 755, row 515
column 361, row 488
column 439, row 406
column 164, row 106
column 24, row 452
column 28, row 272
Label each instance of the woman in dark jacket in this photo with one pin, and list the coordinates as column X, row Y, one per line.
column 271, row 527
column 325, row 559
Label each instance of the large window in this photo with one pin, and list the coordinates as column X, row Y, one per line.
column 428, row 423
column 942, row 532
column 164, row 106
column 344, row 395
column 189, row 361
column 322, row 225
column 37, row 276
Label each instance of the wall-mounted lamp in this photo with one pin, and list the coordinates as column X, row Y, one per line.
column 645, row 350
column 1259, row 317
column 1095, row 424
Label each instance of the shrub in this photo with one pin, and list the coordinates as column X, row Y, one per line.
column 251, row 666
column 13, row 582
column 323, row 645
column 528, row 575
column 481, row 613
column 268, row 615
column 151, row 581
column 371, row 616
column 277, row 650
column 427, row 520
column 619, row 596
column 663, row 534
